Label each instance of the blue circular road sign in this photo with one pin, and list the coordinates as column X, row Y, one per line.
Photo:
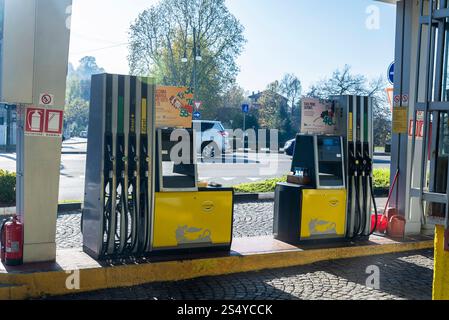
column 391, row 73
column 197, row 115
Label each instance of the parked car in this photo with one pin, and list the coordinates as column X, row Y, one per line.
column 211, row 138
column 289, row 147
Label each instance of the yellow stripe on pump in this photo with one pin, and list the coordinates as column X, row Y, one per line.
column 143, row 124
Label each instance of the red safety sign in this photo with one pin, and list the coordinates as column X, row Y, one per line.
column 419, row 131
column 53, row 122
column 34, row 120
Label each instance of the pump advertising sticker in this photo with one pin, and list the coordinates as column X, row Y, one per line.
column 174, row 107
column 318, row 116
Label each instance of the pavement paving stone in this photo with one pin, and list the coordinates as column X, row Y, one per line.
column 403, row 276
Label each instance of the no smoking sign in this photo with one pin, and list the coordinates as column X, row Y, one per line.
column 46, row 99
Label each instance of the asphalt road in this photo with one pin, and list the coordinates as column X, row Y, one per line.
column 234, row 169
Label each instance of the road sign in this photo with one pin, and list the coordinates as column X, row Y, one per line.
column 196, row 115
column 401, row 100
column 198, row 105
column 53, row 122
column 391, row 73
column 46, row 99
column 34, row 121
column 245, row 108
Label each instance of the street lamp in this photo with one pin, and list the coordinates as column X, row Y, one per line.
column 197, row 58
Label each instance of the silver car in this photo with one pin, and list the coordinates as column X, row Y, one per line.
column 212, row 139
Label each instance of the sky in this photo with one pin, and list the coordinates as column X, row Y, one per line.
column 308, row 38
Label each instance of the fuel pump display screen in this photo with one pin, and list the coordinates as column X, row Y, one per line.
column 178, row 172
column 330, row 162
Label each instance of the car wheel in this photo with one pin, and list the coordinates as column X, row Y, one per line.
column 209, row 150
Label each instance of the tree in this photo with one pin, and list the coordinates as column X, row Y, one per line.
column 291, row 87
column 88, row 67
column 340, row 83
column 274, row 114
column 77, row 116
column 78, row 94
column 343, row 82
column 163, row 35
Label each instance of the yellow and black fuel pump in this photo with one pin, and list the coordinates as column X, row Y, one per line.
column 187, row 217
column 329, row 193
column 141, row 189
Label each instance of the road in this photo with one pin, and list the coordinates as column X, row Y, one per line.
column 237, row 168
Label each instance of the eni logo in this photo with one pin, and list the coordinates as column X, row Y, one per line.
column 334, row 202
column 208, row 206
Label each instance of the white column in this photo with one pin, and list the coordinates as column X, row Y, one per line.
column 35, row 59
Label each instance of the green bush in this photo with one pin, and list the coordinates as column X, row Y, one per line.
column 381, row 178
column 381, row 181
column 7, row 187
column 259, row 187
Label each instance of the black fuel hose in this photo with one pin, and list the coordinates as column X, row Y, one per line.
column 133, row 237
column 358, row 208
column 365, row 203
column 374, row 204
column 107, row 220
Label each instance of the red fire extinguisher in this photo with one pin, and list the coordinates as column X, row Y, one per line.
column 12, row 242
column 2, row 241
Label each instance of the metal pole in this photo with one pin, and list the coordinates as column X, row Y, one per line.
column 244, row 122
column 194, row 65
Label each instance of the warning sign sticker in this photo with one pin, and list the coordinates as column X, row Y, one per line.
column 46, row 99
column 53, row 122
column 34, row 121
column 42, row 122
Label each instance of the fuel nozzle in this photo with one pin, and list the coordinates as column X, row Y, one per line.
column 352, row 162
column 367, row 162
column 359, row 163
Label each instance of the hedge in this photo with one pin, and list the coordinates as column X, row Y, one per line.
column 7, row 188
column 381, row 181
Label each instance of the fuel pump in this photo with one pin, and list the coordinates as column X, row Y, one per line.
column 334, row 202
column 138, row 199
column 187, row 217
column 119, row 176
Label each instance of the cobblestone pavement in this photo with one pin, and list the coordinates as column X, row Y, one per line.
column 402, row 276
column 251, row 219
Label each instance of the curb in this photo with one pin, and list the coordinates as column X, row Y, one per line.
column 96, row 277
column 62, row 208
column 74, row 152
column 67, row 207
column 247, row 197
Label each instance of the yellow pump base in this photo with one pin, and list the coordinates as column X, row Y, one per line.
column 303, row 214
column 193, row 220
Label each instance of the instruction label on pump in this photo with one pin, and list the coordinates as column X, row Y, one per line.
column 400, row 120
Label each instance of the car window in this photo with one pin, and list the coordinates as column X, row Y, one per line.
column 218, row 126
column 206, row 126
